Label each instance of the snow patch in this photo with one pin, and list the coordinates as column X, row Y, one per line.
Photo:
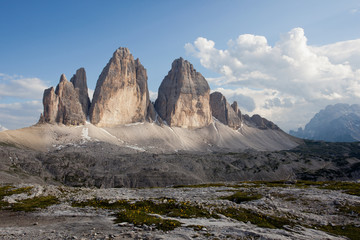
column 85, row 135
column 134, row 124
column 135, row 148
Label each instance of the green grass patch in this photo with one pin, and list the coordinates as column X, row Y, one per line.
column 205, row 185
column 240, row 197
column 10, row 190
column 140, row 218
column 350, row 209
column 136, row 212
column 261, row 220
column 104, row 204
column 350, row 231
column 351, row 188
column 32, row 204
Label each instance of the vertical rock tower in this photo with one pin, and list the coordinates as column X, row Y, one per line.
column 183, row 97
column 223, row 112
column 63, row 104
column 121, row 95
column 80, row 85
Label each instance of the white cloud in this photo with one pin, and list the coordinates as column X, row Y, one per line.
column 153, row 95
column 20, row 114
column 20, row 100
column 290, row 77
column 2, row 128
column 20, row 87
column 91, row 93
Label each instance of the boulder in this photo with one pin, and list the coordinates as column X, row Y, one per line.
column 121, row 95
column 183, row 97
column 223, row 112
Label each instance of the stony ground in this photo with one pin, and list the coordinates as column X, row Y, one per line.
column 295, row 210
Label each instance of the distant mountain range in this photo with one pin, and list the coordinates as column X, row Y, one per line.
column 335, row 123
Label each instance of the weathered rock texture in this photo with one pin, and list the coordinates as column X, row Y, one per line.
column 121, row 95
column 223, row 112
column 236, row 109
column 80, row 84
column 263, row 123
column 62, row 105
column 183, row 97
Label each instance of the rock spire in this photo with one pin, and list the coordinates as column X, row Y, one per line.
column 62, row 105
column 183, row 97
column 121, row 95
column 223, row 112
column 80, row 85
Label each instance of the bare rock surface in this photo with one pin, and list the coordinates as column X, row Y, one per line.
column 183, row 97
column 62, row 105
column 121, row 95
column 235, row 107
column 223, row 112
column 305, row 212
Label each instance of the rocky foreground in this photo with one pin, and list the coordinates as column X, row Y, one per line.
column 246, row 210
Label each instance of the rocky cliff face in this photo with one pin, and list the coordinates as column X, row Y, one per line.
column 237, row 110
column 80, row 85
column 263, row 123
column 121, row 95
column 63, row 105
column 223, row 112
column 335, row 123
column 183, row 97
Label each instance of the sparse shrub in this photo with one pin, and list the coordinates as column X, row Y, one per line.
column 240, row 197
column 261, row 220
column 31, row 204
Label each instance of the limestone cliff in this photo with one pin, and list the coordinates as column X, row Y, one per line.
column 62, row 105
column 80, row 85
column 183, row 97
column 121, row 95
column 223, row 112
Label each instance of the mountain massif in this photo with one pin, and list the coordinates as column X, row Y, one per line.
column 185, row 116
column 121, row 138
column 335, row 123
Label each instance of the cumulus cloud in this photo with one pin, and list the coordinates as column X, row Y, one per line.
column 153, row 95
column 20, row 87
column 2, row 128
column 91, row 93
column 20, row 100
column 282, row 78
column 20, row 114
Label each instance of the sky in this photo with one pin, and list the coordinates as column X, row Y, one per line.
column 284, row 60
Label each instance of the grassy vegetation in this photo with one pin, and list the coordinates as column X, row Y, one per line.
column 140, row 218
column 350, row 231
column 240, row 197
column 349, row 187
column 261, row 220
column 10, row 190
column 30, row 204
column 140, row 212
column 205, row 185
column 352, row 188
column 350, row 209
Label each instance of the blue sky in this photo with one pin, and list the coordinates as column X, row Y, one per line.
column 40, row 40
